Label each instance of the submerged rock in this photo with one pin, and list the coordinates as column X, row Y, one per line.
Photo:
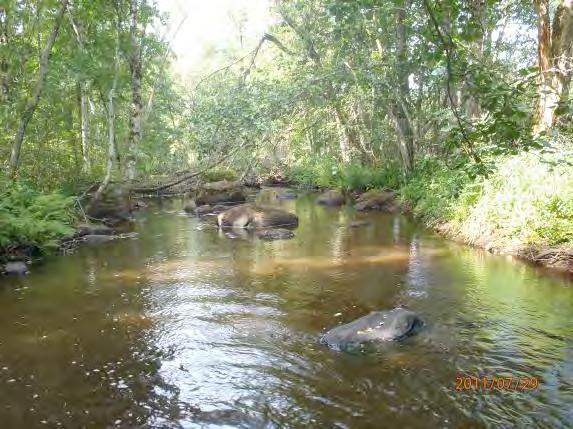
column 208, row 210
column 219, row 208
column 359, row 223
column 286, row 195
column 98, row 238
column 376, row 199
column 378, row 326
column 331, row 198
column 190, row 206
column 138, row 204
column 203, row 210
column 15, row 268
column 253, row 216
column 84, row 229
column 275, row 234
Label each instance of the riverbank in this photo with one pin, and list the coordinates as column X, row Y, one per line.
column 523, row 208
column 512, row 211
column 35, row 223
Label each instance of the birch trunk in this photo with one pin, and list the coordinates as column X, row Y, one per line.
column 37, row 91
column 4, row 74
column 84, row 126
column 112, row 148
column 401, row 105
column 136, row 109
column 83, row 87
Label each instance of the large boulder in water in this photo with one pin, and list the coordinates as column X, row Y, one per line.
column 253, row 216
column 331, row 198
column 113, row 206
column 15, row 268
column 376, row 199
column 223, row 191
column 375, row 327
column 190, row 206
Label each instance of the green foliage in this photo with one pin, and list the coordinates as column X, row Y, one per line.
column 525, row 201
column 509, row 101
column 32, row 219
column 432, row 188
column 329, row 173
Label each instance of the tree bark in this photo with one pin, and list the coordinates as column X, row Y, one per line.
column 4, row 70
column 478, row 10
column 400, row 106
column 37, row 91
column 136, row 110
column 112, row 147
column 83, row 87
column 84, row 125
column 554, row 51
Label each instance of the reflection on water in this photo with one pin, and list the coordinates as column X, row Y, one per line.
column 190, row 327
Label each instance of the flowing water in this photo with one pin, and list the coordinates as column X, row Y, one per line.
column 187, row 326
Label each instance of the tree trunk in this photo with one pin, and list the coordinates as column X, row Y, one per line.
column 36, row 93
column 136, row 110
column 477, row 46
column 401, row 104
column 112, row 147
column 4, row 71
column 346, row 139
column 554, row 50
column 84, row 126
column 83, row 87
column 343, row 138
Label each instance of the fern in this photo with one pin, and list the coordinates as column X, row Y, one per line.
column 30, row 218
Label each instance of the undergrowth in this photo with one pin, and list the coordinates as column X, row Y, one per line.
column 525, row 201
column 329, row 173
column 29, row 218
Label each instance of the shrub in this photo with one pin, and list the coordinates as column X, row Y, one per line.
column 329, row 173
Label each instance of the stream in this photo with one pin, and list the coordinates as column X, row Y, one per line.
column 187, row 326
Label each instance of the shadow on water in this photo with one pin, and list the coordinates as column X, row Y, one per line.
column 190, row 327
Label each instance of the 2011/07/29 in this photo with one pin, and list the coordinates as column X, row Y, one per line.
column 489, row 384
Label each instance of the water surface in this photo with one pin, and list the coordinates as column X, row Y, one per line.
column 186, row 326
